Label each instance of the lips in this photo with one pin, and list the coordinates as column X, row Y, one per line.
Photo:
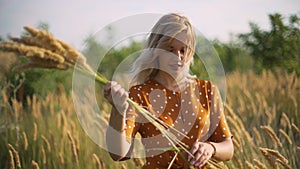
column 176, row 66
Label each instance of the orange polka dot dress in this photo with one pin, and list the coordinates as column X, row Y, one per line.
column 196, row 111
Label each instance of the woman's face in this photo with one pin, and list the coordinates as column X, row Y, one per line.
column 171, row 58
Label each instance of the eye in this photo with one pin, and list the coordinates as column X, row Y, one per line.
column 182, row 51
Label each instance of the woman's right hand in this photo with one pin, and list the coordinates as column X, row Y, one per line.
column 116, row 96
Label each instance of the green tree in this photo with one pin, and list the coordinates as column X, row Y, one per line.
column 233, row 56
column 278, row 47
column 105, row 59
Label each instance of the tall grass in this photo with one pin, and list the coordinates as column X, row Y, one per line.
column 262, row 112
column 47, row 134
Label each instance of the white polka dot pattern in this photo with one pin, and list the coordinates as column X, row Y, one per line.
column 197, row 112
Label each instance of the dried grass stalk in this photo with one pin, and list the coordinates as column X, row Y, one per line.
column 43, row 152
column 296, row 128
column 276, row 154
column 259, row 164
column 249, row 165
column 285, row 165
column 31, row 51
column 11, row 160
column 25, row 140
column 61, row 159
column 15, row 154
column 35, row 131
column 73, row 147
column 267, row 157
column 286, row 136
column 98, row 162
column 285, row 121
column 271, row 134
column 46, row 143
column 35, row 165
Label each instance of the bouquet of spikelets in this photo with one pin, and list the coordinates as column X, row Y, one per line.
column 42, row 50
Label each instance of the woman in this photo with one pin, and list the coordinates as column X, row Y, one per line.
column 164, row 86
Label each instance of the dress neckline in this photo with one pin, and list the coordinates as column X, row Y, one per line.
column 170, row 90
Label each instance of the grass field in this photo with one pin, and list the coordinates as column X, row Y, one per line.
column 262, row 110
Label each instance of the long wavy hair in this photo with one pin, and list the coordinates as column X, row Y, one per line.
column 146, row 66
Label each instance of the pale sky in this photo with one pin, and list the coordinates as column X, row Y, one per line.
column 73, row 20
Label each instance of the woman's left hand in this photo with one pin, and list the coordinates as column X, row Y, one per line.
column 202, row 153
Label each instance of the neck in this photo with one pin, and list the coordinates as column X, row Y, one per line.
column 175, row 84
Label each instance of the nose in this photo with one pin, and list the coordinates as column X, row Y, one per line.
column 179, row 54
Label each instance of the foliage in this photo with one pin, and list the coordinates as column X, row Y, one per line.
column 110, row 60
column 233, row 56
column 278, row 47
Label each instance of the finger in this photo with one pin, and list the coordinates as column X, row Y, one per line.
column 198, row 155
column 204, row 156
column 202, row 160
column 115, row 89
column 107, row 87
column 193, row 150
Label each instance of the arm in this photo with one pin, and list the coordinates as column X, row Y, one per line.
column 224, row 150
column 116, row 141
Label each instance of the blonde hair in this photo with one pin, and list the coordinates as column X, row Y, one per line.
column 146, row 66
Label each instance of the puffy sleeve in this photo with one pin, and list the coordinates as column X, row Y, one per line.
column 219, row 129
column 132, row 125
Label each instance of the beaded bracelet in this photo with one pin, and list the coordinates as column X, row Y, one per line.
column 215, row 150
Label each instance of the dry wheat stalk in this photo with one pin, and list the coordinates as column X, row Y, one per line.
column 64, row 120
column 286, row 136
column 138, row 162
column 285, row 121
column 267, row 157
column 28, row 101
column 61, row 159
column 239, row 162
column 294, row 100
column 285, row 165
column 15, row 154
column 270, row 132
column 46, row 143
column 259, row 164
column 237, row 145
column 54, row 145
column 35, row 165
column 98, row 162
column 277, row 154
column 51, row 103
column 25, row 140
column 77, row 143
column 123, row 166
column 257, row 135
column 31, row 51
column 4, row 96
column 35, row 131
column 249, row 165
column 11, row 160
column 43, row 152
column 73, row 147
column 58, row 120
column 296, row 128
